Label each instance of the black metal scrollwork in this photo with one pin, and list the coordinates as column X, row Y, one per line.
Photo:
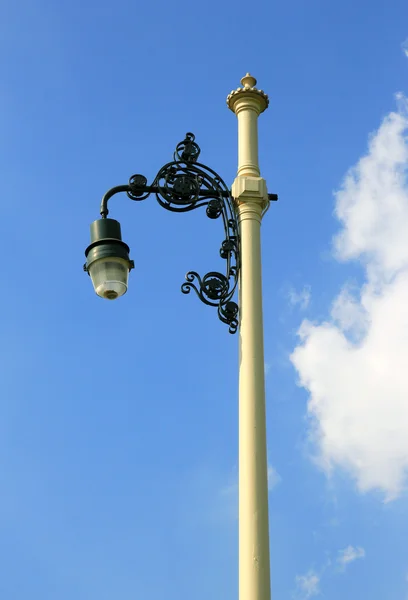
column 183, row 185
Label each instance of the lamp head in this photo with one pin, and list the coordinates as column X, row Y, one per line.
column 107, row 259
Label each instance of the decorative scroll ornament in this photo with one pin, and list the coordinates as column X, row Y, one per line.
column 184, row 185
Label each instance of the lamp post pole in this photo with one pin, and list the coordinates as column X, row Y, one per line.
column 251, row 201
column 182, row 185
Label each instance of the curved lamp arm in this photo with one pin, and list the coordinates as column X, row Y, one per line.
column 184, row 185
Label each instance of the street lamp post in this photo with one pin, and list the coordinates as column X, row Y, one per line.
column 251, row 201
column 181, row 186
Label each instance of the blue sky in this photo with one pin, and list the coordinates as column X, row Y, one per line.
column 118, row 421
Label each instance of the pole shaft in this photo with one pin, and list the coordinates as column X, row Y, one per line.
column 254, row 569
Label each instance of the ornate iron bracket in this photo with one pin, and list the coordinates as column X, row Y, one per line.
column 183, row 185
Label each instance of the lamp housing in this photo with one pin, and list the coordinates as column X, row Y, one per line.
column 107, row 259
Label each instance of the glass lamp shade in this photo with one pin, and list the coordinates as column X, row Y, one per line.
column 110, row 276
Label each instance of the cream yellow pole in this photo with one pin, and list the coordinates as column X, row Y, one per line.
column 251, row 200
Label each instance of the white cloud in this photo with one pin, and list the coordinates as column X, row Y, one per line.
column 308, row 585
column 404, row 47
column 350, row 554
column 354, row 366
column 273, row 478
column 301, row 298
column 229, row 498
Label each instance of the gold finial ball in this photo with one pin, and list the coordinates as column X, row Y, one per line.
column 248, row 81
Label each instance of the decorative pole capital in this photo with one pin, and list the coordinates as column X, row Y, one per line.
column 247, row 96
